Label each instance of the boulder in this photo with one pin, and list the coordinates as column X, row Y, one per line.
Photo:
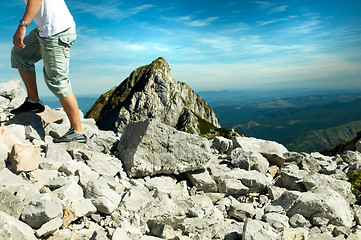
column 103, row 197
column 256, row 230
column 13, row 92
column 166, row 186
column 241, row 211
column 342, row 187
column 32, row 122
column 41, row 211
column 10, row 203
column 49, row 227
column 291, row 177
column 202, row 180
column 149, row 147
column 222, row 144
column 253, row 180
column 323, row 202
column 276, row 220
column 56, row 153
column 13, row 229
column 268, row 148
column 50, row 116
column 25, row 158
column 103, row 164
column 249, row 160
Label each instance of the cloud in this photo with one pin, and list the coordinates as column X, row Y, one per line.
column 190, row 21
column 278, row 9
column 311, row 72
column 264, row 23
column 270, row 7
column 108, row 9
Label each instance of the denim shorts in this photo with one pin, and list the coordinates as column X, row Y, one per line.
column 54, row 51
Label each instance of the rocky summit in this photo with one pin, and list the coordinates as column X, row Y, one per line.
column 151, row 92
column 151, row 181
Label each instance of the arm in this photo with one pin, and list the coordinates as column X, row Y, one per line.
column 32, row 8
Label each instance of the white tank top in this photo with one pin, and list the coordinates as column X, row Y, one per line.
column 53, row 17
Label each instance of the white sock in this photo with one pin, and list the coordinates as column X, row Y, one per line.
column 31, row 101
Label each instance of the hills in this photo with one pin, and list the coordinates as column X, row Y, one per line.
column 295, row 123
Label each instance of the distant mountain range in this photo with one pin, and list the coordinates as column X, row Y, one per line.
column 303, row 123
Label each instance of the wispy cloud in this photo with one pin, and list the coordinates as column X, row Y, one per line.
column 191, row 21
column 271, row 8
column 264, row 23
column 278, row 9
column 109, row 9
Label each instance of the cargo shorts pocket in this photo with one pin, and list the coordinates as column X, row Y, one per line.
column 65, row 42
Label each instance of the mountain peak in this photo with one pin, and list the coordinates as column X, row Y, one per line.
column 151, row 92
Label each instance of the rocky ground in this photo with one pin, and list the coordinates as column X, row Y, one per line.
column 154, row 182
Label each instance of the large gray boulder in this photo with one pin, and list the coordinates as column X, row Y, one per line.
column 41, row 211
column 150, row 147
column 13, row 229
column 12, row 93
column 269, row 149
column 105, row 199
column 321, row 202
column 341, row 186
column 249, row 160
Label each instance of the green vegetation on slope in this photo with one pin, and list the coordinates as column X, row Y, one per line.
column 209, row 131
column 355, row 179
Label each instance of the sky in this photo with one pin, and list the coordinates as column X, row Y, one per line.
column 210, row 45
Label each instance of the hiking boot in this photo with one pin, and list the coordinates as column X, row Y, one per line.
column 28, row 106
column 70, row 136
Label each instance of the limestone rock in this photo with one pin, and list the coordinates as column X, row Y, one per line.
column 265, row 147
column 11, row 204
column 32, row 122
column 41, row 211
column 223, row 145
column 342, row 187
column 255, row 229
column 50, row 116
column 151, row 92
column 249, row 160
column 291, row 177
column 328, row 204
column 8, row 138
column 49, row 227
column 13, row 92
column 56, row 153
column 148, row 148
column 202, row 180
column 25, row 157
column 13, row 229
column 276, row 220
column 103, row 197
column 241, row 211
column 103, row 164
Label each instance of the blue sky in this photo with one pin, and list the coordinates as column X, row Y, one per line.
column 211, row 45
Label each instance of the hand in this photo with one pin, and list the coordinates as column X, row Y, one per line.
column 19, row 37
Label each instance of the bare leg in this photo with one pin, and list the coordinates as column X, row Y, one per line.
column 29, row 79
column 70, row 106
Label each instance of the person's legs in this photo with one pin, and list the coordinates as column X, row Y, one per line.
column 70, row 106
column 24, row 60
column 29, row 79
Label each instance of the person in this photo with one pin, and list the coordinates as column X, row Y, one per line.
column 50, row 41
